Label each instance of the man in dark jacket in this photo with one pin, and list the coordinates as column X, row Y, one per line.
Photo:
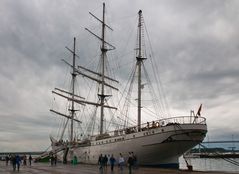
column 100, row 161
column 13, row 160
column 130, row 162
column 112, row 162
column 18, row 162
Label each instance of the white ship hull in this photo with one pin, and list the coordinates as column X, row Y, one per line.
column 159, row 146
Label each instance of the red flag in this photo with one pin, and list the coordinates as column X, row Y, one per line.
column 199, row 110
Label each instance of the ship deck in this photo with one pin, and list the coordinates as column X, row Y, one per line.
column 45, row 168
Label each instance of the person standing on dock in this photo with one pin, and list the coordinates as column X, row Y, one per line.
column 13, row 161
column 121, row 162
column 24, row 160
column 130, row 162
column 135, row 165
column 30, row 160
column 7, row 160
column 112, row 162
column 18, row 162
column 105, row 161
column 55, row 159
column 52, row 159
column 100, row 161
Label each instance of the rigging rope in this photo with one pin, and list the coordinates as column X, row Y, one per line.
column 159, row 107
column 122, row 95
column 157, row 78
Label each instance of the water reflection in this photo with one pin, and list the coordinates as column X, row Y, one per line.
column 210, row 164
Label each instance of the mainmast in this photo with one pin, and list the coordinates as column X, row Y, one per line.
column 103, row 55
column 103, row 77
column 73, row 91
column 139, row 59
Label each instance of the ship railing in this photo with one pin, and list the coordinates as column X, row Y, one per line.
column 160, row 123
column 181, row 120
column 174, row 121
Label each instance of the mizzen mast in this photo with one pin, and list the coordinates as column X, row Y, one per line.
column 139, row 58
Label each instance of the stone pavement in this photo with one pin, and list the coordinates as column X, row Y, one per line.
column 45, row 168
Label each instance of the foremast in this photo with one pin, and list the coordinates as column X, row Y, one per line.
column 72, row 98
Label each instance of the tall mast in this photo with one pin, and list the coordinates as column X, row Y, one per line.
column 103, row 55
column 73, row 91
column 103, row 77
column 139, row 59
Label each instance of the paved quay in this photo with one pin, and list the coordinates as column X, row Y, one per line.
column 45, row 168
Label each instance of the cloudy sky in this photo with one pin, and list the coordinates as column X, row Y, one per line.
column 195, row 43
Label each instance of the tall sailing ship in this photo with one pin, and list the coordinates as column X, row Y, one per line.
column 155, row 143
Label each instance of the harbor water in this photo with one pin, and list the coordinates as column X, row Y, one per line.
column 210, row 164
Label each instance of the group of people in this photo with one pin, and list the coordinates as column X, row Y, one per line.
column 103, row 160
column 53, row 159
column 16, row 161
column 131, row 162
column 24, row 158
